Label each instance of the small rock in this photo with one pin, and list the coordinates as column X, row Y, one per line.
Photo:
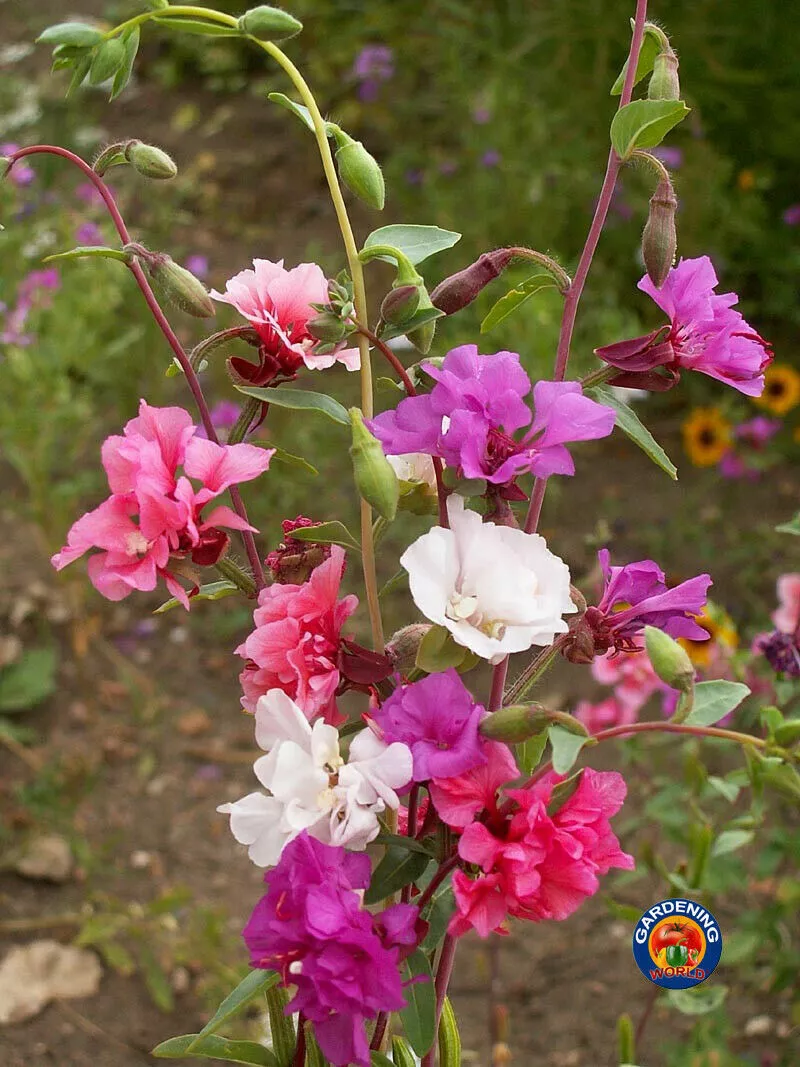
column 194, row 723
column 180, row 980
column 141, row 860
column 34, row 974
column 47, row 859
column 78, row 712
column 758, row 1026
column 10, row 650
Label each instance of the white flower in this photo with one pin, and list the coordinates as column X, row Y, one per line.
column 311, row 786
column 496, row 589
column 414, row 467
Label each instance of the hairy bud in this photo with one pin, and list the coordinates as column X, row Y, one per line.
column 660, row 238
column 521, row 721
column 180, row 286
column 150, row 161
column 670, row 661
column 403, row 645
column 269, row 23
column 400, row 304
column 664, row 82
column 375, row 478
column 460, row 289
column 359, row 170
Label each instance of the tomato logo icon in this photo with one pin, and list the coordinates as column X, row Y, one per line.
column 677, row 943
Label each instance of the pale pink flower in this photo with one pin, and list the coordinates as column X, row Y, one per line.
column 632, row 677
column 787, row 616
column 606, row 713
column 295, row 643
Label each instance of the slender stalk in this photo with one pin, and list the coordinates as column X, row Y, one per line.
column 641, row 1026
column 163, row 324
column 444, row 869
column 499, row 675
column 532, row 672
column 300, row 1050
column 444, row 972
column 679, row 728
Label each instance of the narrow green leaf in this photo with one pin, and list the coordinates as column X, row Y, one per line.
column 529, row 753
column 296, row 109
column 419, row 1014
column 714, row 700
column 250, row 987
column 731, row 841
column 438, row 915
column 398, row 868
column 80, row 34
column 299, row 400
column 281, row 1026
column 79, row 74
column 566, row 747
column 410, row 844
column 29, row 681
column 420, row 318
column 156, row 979
column 651, row 46
column 726, row 789
column 215, row 1048
column 108, row 58
column 515, row 298
column 644, row 124
column 402, row 1056
column 416, row 243
column 328, row 533
column 449, row 1037
column 379, row 1060
column 131, row 40
column 790, row 527
column 89, row 252
column 700, row 1000
column 290, row 460
column 196, row 26
column 314, row 1057
column 630, row 424
column 212, row 591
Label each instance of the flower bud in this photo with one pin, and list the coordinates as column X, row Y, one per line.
column 660, row 239
column 360, row 171
column 670, row 662
column 327, row 327
column 269, row 23
column 460, row 289
column 399, row 304
column 518, row 722
column 375, row 478
column 181, row 286
column 403, row 645
column 108, row 58
column 664, row 81
column 422, row 336
column 150, row 161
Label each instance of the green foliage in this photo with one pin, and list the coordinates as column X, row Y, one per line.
column 419, row 1014
column 28, row 681
column 632, row 426
column 645, row 124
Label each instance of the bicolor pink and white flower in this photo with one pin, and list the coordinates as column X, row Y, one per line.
column 787, row 617
column 311, row 787
column 496, row 589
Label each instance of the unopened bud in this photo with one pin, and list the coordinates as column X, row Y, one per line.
column 181, row 286
column 269, row 23
column 660, row 238
column 400, row 304
column 516, row 723
column 108, row 58
column 150, row 161
column 403, row 646
column 664, row 81
column 375, row 478
column 359, row 171
column 422, row 336
column 577, row 598
column 460, row 289
column 670, row 661
column 327, row 327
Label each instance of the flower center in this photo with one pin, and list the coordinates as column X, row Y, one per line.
column 136, row 544
column 463, row 608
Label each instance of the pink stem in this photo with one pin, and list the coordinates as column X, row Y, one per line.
column 443, row 974
column 163, row 324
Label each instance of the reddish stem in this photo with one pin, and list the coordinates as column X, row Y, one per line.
column 444, row 972
column 444, row 869
column 163, row 324
column 300, row 1048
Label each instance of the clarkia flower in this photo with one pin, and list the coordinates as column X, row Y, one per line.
column 438, row 720
column 89, row 233
column 496, row 589
column 311, row 786
column 633, row 680
column 787, row 617
column 342, row 961
column 277, row 303
column 296, row 641
column 21, row 174
column 604, row 714
column 373, row 65
column 705, row 335
column 154, row 514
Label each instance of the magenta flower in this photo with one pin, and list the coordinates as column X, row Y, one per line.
column 21, row 174
column 791, row 216
column 373, row 65
column 705, row 335
column 758, row 431
column 470, row 415
column 633, row 679
column 438, row 720
column 154, row 514
column 341, row 960
column 89, row 233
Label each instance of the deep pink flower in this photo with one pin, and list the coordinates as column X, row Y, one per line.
column 604, row 714
column 705, row 335
column 460, row 798
column 758, row 431
column 787, row 617
column 341, row 960
column 296, row 640
column 154, row 514
column 438, row 720
column 277, row 303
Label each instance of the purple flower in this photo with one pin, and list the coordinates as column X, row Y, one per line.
column 89, row 233
column 415, row 176
column 670, row 157
column 223, row 415
column 782, row 652
column 791, row 215
column 438, row 720
column 311, row 928
column 490, row 158
column 734, row 467
column 758, row 431
column 448, row 167
column 705, row 335
column 469, row 417
column 88, row 194
column 20, row 174
column 198, row 265
column 481, row 115
column 373, row 65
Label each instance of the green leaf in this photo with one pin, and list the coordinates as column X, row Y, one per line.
column 449, row 1037
column 74, row 33
column 108, row 58
column 131, row 40
column 515, row 298
column 700, row 1000
column 328, row 533
column 395, row 582
column 438, row 651
column 651, row 46
column 398, row 868
column 156, row 979
column 296, row 109
column 299, row 400
column 256, row 983
column 410, row 844
column 416, row 243
column 420, row 318
column 713, row 700
column 419, row 1014
column 790, row 527
column 196, row 26
column 281, row 1026
column 215, row 1048
column 288, row 458
column 731, row 841
column 79, row 74
column 29, row 681
column 402, row 1056
column 644, row 124
column 212, row 591
column 90, row 252
column 438, row 915
column 529, row 753
column 726, row 789
column 379, row 1060
column 118, row 957
column 740, row 946
column 628, row 421
column 565, row 746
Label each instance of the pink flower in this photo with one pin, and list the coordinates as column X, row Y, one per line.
column 154, row 514
column 459, row 799
column 607, row 713
column 20, row 173
column 277, row 303
column 296, row 640
column 787, row 616
column 633, row 679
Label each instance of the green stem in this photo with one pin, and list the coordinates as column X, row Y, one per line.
column 597, row 377
column 531, row 674
column 234, row 573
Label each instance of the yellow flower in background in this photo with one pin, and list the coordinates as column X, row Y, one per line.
column 781, row 389
column 706, row 436
column 723, row 637
column 746, row 180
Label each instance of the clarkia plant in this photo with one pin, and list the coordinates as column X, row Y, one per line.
column 404, row 796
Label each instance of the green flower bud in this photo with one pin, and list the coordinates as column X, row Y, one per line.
column 108, row 58
column 180, row 286
column 422, row 337
column 788, row 733
column 399, row 304
column 327, row 327
column 670, row 662
column 664, row 82
column 150, row 161
column 625, row 1039
column 516, row 723
column 269, row 23
column 660, row 238
column 375, row 478
column 359, row 171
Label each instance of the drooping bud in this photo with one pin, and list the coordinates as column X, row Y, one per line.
column 179, row 285
column 375, row 478
column 269, row 23
column 664, row 82
column 660, row 238
column 150, row 161
column 670, row 661
column 359, row 170
column 327, row 327
column 108, row 58
column 518, row 722
column 403, row 645
column 459, row 290
column 399, row 304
